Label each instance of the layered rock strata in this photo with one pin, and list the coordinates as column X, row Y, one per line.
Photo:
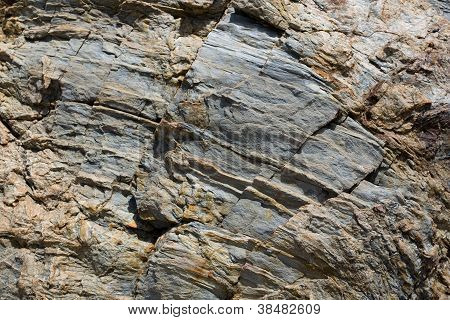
column 216, row 149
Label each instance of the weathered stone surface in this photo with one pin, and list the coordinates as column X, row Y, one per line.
column 224, row 149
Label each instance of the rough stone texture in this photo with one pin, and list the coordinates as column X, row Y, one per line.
column 217, row 149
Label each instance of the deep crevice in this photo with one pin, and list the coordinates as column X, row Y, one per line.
column 9, row 128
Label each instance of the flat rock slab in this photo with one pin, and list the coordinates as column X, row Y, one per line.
column 251, row 93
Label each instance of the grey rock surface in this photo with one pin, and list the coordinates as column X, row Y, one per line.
column 218, row 149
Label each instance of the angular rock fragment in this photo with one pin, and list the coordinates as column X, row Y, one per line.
column 339, row 157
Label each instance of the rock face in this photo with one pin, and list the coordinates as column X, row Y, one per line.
column 216, row 149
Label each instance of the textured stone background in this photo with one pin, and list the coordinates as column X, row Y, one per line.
column 217, row 149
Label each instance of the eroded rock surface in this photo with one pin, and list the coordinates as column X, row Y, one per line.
column 217, row 149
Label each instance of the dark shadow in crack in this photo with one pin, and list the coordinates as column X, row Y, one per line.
column 142, row 229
